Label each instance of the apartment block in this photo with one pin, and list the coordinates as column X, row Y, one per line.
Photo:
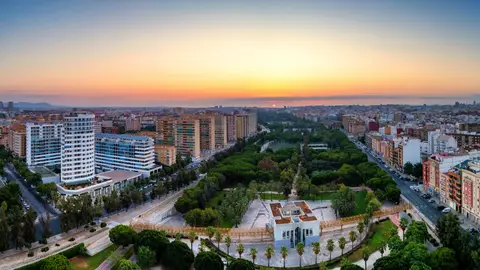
column 124, row 152
column 207, row 132
column 221, row 135
column 167, row 130
column 78, row 148
column 466, row 141
column 241, row 125
column 132, row 124
column 471, row 191
column 17, row 139
column 4, row 136
column 166, row 154
column 469, row 127
column 44, row 144
column 188, row 136
column 231, row 128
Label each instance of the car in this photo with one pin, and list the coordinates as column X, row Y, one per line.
column 429, row 196
column 447, row 210
column 431, row 201
column 473, row 231
column 440, row 207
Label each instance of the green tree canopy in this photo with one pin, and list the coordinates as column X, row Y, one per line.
column 448, row 228
column 146, row 257
column 125, row 264
column 178, row 255
column 241, row 264
column 443, row 259
column 208, row 260
column 155, row 240
column 56, row 262
column 122, row 235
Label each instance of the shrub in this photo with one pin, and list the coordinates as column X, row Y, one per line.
column 43, row 241
column 93, row 223
column 30, row 253
column 45, row 249
column 86, row 226
column 71, row 239
column 57, row 244
column 103, row 225
column 92, row 230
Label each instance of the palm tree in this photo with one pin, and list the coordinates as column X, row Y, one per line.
column 341, row 243
column 383, row 247
column 353, row 236
column 228, row 243
column 178, row 236
column 300, row 250
column 253, row 253
column 330, row 247
column 316, row 250
column 192, row 236
column 403, row 226
column 323, row 266
column 240, row 249
column 361, row 227
column 210, row 232
column 365, row 255
column 269, row 252
column 218, row 237
column 284, row 252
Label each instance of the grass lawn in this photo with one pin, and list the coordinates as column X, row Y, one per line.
column 92, row 262
column 373, row 244
column 360, row 201
column 274, row 196
column 325, row 196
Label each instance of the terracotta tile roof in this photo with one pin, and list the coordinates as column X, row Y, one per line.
column 304, row 207
column 307, row 218
column 276, row 209
column 283, row 221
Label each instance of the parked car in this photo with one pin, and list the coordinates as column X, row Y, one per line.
column 440, row 207
column 447, row 210
column 431, row 201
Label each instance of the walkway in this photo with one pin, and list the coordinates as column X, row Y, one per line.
column 113, row 258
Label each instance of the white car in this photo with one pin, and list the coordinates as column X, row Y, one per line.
column 446, row 210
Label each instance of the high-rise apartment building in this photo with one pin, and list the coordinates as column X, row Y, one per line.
column 241, row 125
column 124, row 152
column 471, row 191
column 220, row 131
column 252, row 122
column 78, row 148
column 44, row 143
column 17, row 138
column 231, row 133
column 207, row 132
column 166, row 127
column 188, row 136
column 132, row 124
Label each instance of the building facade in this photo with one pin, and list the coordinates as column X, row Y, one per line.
column 124, row 152
column 231, row 131
column 78, row 148
column 207, row 132
column 471, row 191
column 220, row 131
column 44, row 144
column 166, row 154
column 292, row 223
column 167, row 130
column 188, row 136
column 17, row 139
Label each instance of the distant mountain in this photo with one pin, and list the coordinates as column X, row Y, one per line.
column 35, row 105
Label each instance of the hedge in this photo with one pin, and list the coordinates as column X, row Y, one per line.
column 69, row 253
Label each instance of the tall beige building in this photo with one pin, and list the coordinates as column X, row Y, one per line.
column 166, row 128
column 231, row 128
column 220, row 131
column 188, row 136
column 166, row 154
column 241, row 126
column 471, row 191
column 207, row 132
column 17, row 139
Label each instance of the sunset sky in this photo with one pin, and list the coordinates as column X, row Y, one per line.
column 255, row 53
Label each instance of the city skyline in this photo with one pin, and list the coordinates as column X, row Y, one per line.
column 147, row 53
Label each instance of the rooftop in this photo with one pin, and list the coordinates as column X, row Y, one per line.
column 102, row 179
column 43, row 171
column 122, row 137
column 292, row 212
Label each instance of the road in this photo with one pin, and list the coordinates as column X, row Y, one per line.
column 429, row 210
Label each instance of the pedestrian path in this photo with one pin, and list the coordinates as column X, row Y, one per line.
column 113, row 258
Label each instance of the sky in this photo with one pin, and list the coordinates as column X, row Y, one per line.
column 239, row 53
